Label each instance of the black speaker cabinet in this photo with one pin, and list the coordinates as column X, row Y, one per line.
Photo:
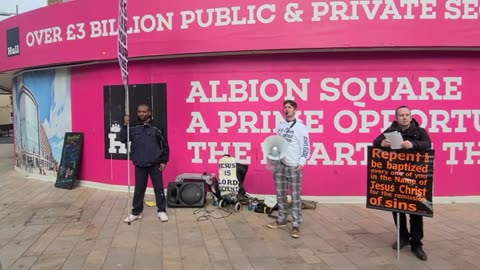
column 186, row 194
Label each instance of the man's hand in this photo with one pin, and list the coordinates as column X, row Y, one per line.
column 386, row 143
column 407, row 144
column 126, row 119
column 162, row 166
column 299, row 168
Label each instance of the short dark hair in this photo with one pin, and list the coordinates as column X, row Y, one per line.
column 143, row 104
column 401, row 107
column 291, row 103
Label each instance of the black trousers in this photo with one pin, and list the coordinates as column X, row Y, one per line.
column 415, row 235
column 141, row 178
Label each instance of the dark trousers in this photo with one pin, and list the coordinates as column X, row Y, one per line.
column 416, row 229
column 141, row 178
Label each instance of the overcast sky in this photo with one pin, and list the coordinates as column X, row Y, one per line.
column 23, row 5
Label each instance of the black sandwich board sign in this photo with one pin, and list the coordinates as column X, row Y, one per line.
column 70, row 162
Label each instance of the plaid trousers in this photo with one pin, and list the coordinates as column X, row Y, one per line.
column 286, row 176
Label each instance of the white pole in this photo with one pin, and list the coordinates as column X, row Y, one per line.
column 127, row 112
column 398, row 236
column 122, row 46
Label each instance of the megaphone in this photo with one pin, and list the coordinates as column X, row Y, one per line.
column 274, row 147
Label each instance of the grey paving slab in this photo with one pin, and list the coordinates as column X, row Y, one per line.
column 42, row 227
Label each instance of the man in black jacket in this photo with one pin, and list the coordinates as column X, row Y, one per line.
column 149, row 153
column 414, row 137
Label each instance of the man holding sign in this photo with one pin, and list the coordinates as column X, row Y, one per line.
column 150, row 154
column 414, row 137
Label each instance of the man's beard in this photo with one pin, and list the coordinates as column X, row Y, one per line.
column 143, row 121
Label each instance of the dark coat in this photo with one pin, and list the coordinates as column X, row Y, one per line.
column 149, row 145
column 417, row 135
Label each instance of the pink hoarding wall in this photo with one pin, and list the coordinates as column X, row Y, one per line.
column 89, row 28
column 231, row 104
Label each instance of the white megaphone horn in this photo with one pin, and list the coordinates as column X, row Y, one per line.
column 274, row 147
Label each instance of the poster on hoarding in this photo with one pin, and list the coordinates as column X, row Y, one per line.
column 154, row 95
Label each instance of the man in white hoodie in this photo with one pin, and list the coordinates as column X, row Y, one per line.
column 290, row 169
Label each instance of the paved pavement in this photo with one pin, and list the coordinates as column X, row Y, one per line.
column 42, row 227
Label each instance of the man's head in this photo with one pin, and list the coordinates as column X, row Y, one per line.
column 289, row 109
column 143, row 112
column 403, row 116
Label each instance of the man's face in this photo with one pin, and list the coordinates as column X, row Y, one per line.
column 143, row 113
column 289, row 111
column 404, row 117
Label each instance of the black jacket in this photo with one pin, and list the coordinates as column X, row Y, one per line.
column 149, row 145
column 414, row 133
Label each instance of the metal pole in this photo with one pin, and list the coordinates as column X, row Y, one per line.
column 398, row 236
column 122, row 47
column 127, row 112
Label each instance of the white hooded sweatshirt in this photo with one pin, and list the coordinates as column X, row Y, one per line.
column 296, row 135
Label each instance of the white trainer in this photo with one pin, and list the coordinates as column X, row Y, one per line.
column 131, row 218
column 163, row 216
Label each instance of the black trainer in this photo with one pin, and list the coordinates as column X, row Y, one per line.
column 419, row 253
column 402, row 244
